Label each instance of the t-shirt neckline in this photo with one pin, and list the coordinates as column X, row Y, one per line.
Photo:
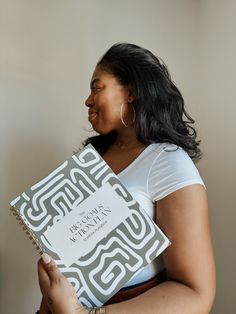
column 136, row 159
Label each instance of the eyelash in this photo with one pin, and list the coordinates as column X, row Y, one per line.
column 95, row 89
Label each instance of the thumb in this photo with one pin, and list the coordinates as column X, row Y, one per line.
column 51, row 267
column 44, row 280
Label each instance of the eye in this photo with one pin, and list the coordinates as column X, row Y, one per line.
column 95, row 89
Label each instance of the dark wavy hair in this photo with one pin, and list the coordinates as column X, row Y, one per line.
column 159, row 106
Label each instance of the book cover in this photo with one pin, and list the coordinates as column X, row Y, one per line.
column 84, row 217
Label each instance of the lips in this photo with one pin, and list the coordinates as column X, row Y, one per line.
column 92, row 114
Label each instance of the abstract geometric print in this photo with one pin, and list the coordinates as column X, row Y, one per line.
column 116, row 258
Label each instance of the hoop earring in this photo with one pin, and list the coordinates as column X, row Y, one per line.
column 121, row 115
column 134, row 114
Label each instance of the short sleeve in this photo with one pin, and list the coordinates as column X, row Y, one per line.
column 172, row 169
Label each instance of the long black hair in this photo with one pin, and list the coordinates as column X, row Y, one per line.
column 159, row 106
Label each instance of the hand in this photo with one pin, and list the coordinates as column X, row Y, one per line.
column 58, row 293
column 44, row 309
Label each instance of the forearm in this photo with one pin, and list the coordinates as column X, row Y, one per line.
column 167, row 298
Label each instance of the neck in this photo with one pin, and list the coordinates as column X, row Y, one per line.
column 127, row 140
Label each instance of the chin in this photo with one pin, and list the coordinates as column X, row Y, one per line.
column 102, row 131
column 99, row 128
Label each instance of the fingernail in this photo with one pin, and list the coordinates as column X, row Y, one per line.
column 46, row 258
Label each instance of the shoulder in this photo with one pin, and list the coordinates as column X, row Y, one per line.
column 169, row 152
column 171, row 169
column 166, row 155
column 169, row 157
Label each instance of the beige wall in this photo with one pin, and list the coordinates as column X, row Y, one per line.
column 216, row 105
column 47, row 53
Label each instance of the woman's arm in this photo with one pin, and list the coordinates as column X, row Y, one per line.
column 183, row 216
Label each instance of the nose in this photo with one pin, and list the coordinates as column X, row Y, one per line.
column 89, row 101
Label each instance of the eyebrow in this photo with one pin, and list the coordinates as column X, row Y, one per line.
column 93, row 82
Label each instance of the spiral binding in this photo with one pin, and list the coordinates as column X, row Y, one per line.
column 27, row 230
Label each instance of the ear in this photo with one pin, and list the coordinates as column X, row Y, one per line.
column 131, row 96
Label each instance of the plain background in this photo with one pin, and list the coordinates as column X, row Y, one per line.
column 48, row 50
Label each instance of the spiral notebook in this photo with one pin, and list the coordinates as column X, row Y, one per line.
column 84, row 217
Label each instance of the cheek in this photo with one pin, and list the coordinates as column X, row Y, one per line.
column 112, row 115
column 108, row 120
column 109, row 109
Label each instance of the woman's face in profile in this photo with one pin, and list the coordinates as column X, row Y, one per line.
column 104, row 102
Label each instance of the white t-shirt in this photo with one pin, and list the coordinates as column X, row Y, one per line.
column 158, row 171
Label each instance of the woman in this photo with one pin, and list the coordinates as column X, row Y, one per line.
column 146, row 137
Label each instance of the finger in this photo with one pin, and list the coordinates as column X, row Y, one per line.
column 44, row 280
column 51, row 267
column 44, row 307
